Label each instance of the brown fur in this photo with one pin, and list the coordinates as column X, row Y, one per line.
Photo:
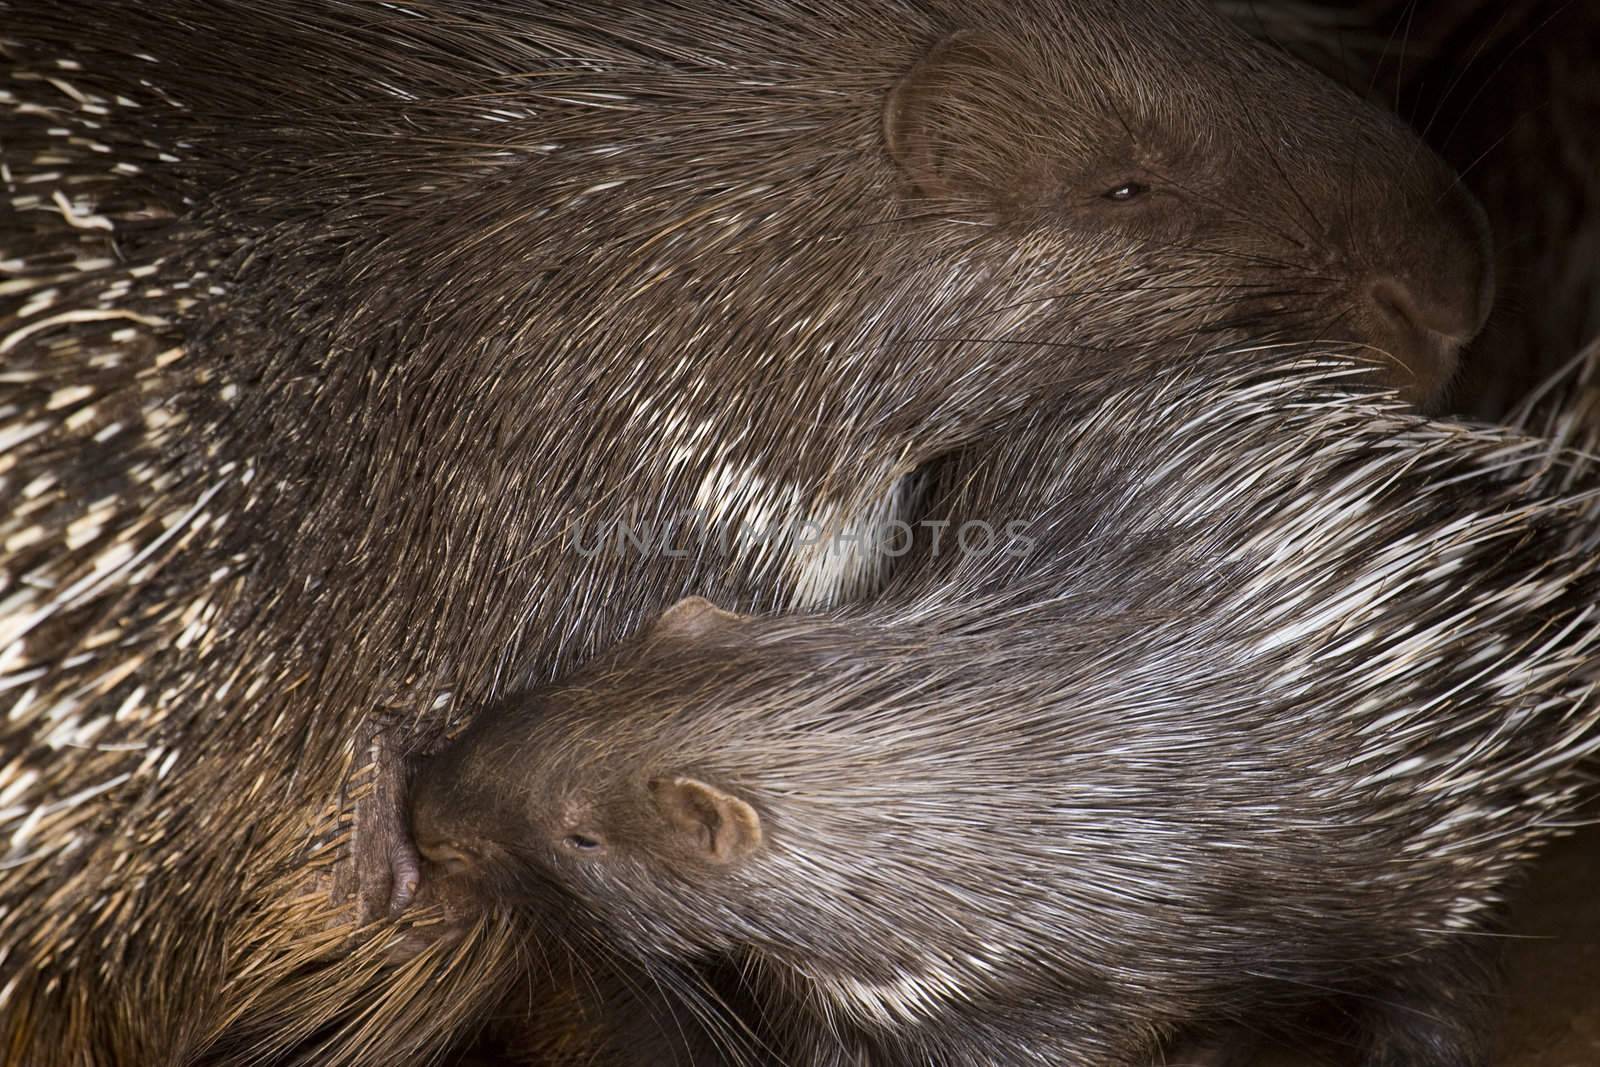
column 1240, row 730
column 335, row 319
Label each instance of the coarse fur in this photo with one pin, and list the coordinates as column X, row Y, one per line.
column 1565, row 411
column 327, row 325
column 1269, row 704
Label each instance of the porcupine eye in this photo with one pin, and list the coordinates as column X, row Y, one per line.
column 582, row 843
column 1125, row 192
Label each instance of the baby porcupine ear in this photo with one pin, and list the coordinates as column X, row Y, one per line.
column 718, row 826
column 691, row 617
column 957, row 123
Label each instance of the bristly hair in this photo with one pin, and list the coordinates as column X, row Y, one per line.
column 1275, row 702
column 325, row 325
column 1565, row 410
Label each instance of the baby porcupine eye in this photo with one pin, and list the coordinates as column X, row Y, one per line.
column 1125, row 192
column 581, row 842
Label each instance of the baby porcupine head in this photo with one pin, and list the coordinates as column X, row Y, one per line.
column 620, row 810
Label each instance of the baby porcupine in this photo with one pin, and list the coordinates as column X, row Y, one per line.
column 1268, row 703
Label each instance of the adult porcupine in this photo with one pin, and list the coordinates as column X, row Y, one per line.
column 1269, row 702
column 326, row 321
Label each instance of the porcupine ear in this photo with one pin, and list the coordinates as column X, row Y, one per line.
column 691, row 617
column 951, row 123
column 715, row 825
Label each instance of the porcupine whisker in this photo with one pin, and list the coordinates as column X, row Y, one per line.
column 1484, row 84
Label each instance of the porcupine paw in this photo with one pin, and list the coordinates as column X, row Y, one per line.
column 386, row 866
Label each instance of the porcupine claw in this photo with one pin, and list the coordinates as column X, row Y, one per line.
column 387, row 868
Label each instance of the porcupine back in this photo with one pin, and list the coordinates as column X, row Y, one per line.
column 147, row 747
column 115, row 525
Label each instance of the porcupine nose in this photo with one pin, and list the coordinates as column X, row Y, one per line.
column 1433, row 295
